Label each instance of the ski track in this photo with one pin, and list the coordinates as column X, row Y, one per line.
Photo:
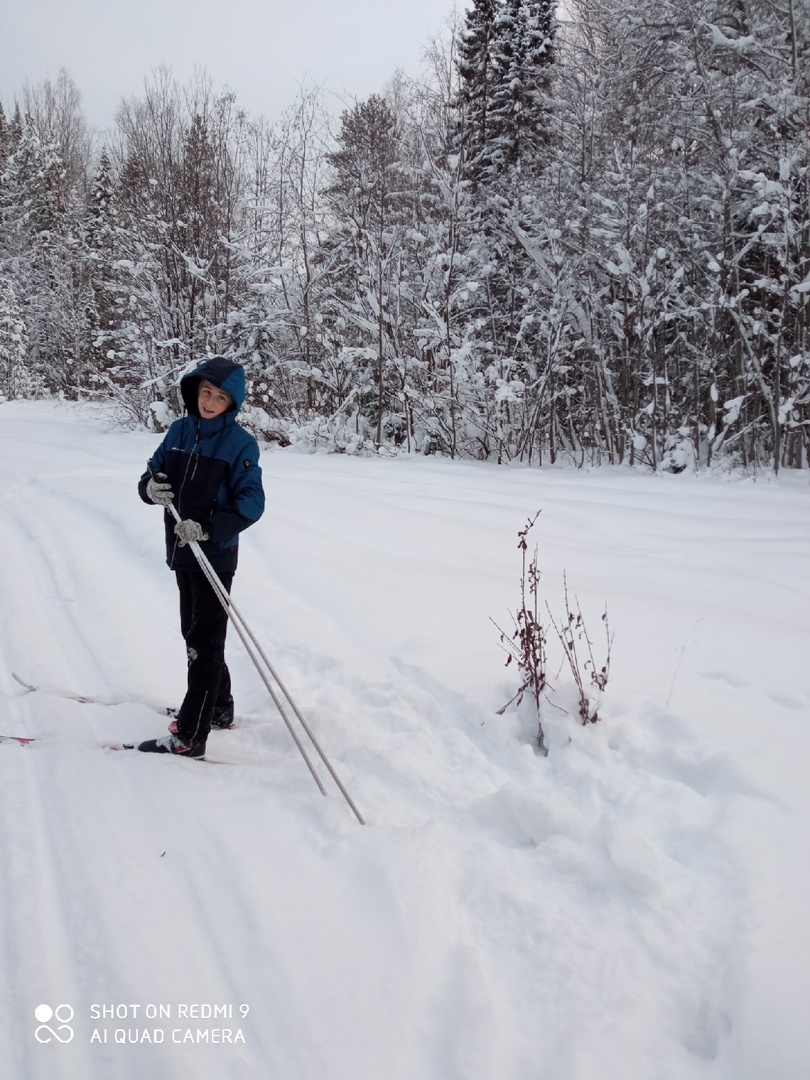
column 500, row 914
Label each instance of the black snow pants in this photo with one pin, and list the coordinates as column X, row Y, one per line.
column 204, row 624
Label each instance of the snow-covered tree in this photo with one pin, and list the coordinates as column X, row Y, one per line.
column 522, row 59
column 177, row 239
column 40, row 252
column 477, row 81
column 15, row 380
column 363, row 251
column 101, row 238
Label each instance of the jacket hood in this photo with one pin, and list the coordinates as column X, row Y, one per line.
column 222, row 373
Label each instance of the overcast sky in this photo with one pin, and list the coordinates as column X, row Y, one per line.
column 262, row 49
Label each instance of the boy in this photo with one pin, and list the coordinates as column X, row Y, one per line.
column 208, row 467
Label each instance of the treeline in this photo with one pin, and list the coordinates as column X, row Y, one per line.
column 587, row 239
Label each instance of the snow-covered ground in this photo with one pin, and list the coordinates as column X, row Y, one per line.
column 632, row 907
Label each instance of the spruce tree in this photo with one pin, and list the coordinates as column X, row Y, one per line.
column 368, row 198
column 14, row 378
column 477, row 80
column 5, row 139
column 101, row 239
column 522, row 58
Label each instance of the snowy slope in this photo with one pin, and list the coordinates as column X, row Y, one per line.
column 630, row 907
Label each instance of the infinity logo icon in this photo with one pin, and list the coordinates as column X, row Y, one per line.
column 44, row 1014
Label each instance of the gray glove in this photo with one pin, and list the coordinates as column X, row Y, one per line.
column 186, row 531
column 159, row 491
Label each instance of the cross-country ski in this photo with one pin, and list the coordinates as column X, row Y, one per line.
column 89, row 699
column 22, row 740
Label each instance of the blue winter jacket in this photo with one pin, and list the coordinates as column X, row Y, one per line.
column 213, row 468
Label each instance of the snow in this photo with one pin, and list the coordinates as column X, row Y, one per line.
column 631, row 906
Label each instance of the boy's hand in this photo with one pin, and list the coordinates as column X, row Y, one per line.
column 186, row 531
column 159, row 491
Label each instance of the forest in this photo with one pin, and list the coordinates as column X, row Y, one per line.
column 577, row 234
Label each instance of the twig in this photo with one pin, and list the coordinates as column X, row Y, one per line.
column 569, row 633
column 527, row 644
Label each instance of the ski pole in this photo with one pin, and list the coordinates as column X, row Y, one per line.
column 258, row 656
column 249, row 639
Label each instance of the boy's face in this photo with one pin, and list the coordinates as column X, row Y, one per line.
column 211, row 401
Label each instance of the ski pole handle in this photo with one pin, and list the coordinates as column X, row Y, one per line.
column 171, row 507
